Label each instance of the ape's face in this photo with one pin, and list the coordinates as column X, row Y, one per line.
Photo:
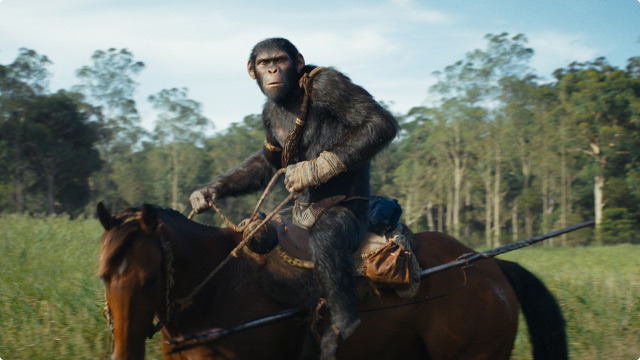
column 276, row 73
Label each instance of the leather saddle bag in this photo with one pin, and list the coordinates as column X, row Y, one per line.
column 390, row 265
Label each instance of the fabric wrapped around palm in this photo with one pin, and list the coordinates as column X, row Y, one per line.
column 314, row 172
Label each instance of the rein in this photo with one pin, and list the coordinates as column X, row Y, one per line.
column 167, row 256
column 179, row 305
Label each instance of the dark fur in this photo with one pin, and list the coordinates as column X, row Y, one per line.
column 273, row 44
column 344, row 119
column 542, row 312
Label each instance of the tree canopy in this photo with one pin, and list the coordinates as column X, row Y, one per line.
column 501, row 155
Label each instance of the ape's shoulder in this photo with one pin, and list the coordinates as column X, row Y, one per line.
column 330, row 87
column 328, row 76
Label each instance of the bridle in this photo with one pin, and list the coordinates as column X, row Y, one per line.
column 167, row 261
column 173, row 309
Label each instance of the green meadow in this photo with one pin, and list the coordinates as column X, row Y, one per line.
column 51, row 301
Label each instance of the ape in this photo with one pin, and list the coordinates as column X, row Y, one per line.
column 326, row 154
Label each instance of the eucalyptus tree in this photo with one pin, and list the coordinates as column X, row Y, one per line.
column 416, row 172
column 22, row 80
column 59, row 144
column 225, row 150
column 596, row 103
column 108, row 84
column 30, row 68
column 473, row 122
column 180, row 132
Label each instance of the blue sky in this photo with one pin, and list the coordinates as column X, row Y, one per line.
column 390, row 47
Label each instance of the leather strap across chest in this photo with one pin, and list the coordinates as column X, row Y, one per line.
column 290, row 148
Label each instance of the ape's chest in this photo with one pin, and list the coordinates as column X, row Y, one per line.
column 281, row 131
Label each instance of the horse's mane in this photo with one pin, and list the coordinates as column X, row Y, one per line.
column 126, row 229
column 125, row 224
column 116, row 241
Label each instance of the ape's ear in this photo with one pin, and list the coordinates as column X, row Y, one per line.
column 149, row 219
column 105, row 218
column 251, row 70
column 300, row 63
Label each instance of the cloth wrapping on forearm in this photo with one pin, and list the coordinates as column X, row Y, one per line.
column 314, row 172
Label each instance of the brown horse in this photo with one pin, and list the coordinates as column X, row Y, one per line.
column 152, row 257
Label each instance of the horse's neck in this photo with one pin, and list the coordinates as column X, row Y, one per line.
column 197, row 250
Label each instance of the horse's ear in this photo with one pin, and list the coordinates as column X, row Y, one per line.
column 148, row 218
column 105, row 218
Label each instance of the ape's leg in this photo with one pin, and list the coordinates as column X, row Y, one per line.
column 333, row 239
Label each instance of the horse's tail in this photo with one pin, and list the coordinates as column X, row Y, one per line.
column 541, row 310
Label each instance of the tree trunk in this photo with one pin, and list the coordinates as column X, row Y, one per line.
column 497, row 199
column 51, row 201
column 440, row 207
column 598, row 186
column 457, row 190
column 457, row 162
column 449, row 214
column 544, row 190
column 18, row 188
column 487, row 213
column 528, row 222
column 564, row 192
column 467, row 206
column 412, row 215
column 430, row 222
column 547, row 205
column 514, row 222
column 174, row 177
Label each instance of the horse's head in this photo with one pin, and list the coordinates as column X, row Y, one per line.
column 131, row 267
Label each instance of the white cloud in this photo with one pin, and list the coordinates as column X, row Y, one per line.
column 390, row 47
column 554, row 50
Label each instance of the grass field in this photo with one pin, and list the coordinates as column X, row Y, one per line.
column 51, row 300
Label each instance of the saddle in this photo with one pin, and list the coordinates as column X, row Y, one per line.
column 385, row 256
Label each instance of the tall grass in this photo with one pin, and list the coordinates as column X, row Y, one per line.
column 598, row 289
column 51, row 301
column 50, row 298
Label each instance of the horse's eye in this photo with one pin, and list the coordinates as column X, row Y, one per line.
column 150, row 280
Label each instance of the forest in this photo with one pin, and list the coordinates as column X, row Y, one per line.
column 499, row 154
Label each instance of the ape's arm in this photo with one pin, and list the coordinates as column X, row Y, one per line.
column 370, row 126
column 250, row 175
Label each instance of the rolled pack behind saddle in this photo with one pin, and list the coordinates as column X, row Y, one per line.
column 385, row 256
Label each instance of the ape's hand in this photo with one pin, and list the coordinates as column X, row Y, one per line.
column 203, row 198
column 306, row 174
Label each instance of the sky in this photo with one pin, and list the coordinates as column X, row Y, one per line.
column 390, row 47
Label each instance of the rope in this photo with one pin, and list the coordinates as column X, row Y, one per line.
column 169, row 282
column 464, row 273
column 290, row 149
column 188, row 300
